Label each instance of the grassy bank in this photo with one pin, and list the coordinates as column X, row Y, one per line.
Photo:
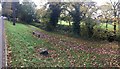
column 23, row 46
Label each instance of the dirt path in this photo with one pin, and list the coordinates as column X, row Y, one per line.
column 75, row 44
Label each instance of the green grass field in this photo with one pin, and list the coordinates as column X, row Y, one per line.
column 100, row 26
column 22, row 46
column 103, row 26
column 63, row 23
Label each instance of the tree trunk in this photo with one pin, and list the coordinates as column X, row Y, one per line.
column 69, row 23
column 119, row 13
column 76, row 20
column 54, row 16
column 53, row 21
column 115, row 14
column 13, row 8
column 76, row 29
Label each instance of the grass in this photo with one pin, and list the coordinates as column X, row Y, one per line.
column 100, row 26
column 63, row 23
column 23, row 46
column 103, row 27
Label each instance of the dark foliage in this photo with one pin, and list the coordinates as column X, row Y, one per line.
column 54, row 15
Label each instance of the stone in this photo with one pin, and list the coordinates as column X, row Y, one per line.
column 44, row 52
column 33, row 32
column 38, row 35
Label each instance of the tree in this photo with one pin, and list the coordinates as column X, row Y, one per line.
column 88, row 10
column 55, row 9
column 106, row 10
column 66, row 17
column 74, row 11
column 15, row 7
column 76, row 15
column 27, row 11
column 118, row 7
column 43, row 14
column 106, row 13
column 6, row 9
column 10, row 10
column 115, row 10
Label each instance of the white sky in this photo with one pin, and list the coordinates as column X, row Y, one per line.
column 42, row 2
column 99, row 2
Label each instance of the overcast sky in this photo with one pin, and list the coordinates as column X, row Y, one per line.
column 42, row 2
column 99, row 2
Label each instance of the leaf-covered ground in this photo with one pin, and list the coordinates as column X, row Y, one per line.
column 64, row 51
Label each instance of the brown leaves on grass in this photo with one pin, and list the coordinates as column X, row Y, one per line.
column 9, row 55
column 52, row 54
column 76, row 45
